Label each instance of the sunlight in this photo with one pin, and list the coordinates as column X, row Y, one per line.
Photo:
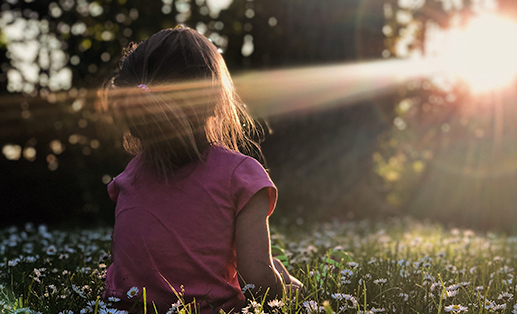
column 483, row 53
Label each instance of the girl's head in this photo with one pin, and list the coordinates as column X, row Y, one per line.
column 174, row 95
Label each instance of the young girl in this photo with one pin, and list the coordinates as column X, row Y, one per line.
column 192, row 211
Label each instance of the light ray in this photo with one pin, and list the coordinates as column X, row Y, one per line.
column 288, row 90
column 275, row 92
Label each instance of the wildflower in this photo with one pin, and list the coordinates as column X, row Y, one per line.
column 311, row 306
column 132, row 292
column 456, row 308
column 85, row 270
column 451, row 293
column 66, row 312
column 30, row 259
column 435, row 285
column 13, row 262
column 275, row 303
column 379, row 310
column 498, row 307
column 505, row 295
column 86, row 310
column 174, row 307
column 100, row 304
column 248, row 287
column 404, row 296
column 345, row 281
column 51, row 250
column 347, row 272
column 352, row 264
column 112, row 311
column 479, row 288
column 78, row 291
column 113, row 299
column 380, row 281
column 488, row 304
column 254, row 304
column 53, row 288
column 351, row 302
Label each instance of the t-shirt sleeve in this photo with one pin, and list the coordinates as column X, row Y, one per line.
column 248, row 178
column 113, row 190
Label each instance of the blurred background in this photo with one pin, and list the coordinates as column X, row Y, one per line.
column 391, row 107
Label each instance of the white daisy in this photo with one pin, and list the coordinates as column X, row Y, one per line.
column 51, row 250
column 275, row 303
column 132, row 292
column 456, row 308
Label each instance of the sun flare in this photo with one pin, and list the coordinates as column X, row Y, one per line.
column 483, row 53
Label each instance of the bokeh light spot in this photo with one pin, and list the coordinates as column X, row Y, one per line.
column 12, row 152
column 29, row 153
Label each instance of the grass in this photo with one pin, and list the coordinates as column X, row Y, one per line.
column 400, row 266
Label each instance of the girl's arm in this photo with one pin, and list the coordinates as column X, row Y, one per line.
column 254, row 261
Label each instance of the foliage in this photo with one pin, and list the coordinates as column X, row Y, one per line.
column 401, row 266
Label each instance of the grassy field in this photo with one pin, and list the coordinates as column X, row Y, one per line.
column 401, row 266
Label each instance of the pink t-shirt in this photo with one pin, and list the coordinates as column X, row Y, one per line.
column 182, row 231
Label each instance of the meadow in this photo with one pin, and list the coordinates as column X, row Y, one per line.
column 397, row 266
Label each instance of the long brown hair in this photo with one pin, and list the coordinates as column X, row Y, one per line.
column 175, row 97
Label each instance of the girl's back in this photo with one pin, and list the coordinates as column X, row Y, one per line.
column 182, row 232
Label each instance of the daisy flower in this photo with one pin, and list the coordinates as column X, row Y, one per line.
column 51, row 250
column 347, row 273
column 456, row 308
column 311, row 306
column 487, row 304
column 505, row 295
column 132, row 292
column 275, row 303
column 380, row 281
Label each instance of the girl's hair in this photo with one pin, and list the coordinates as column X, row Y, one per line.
column 175, row 96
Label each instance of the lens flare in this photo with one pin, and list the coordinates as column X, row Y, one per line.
column 482, row 53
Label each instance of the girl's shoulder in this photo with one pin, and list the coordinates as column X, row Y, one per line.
column 222, row 157
column 221, row 153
